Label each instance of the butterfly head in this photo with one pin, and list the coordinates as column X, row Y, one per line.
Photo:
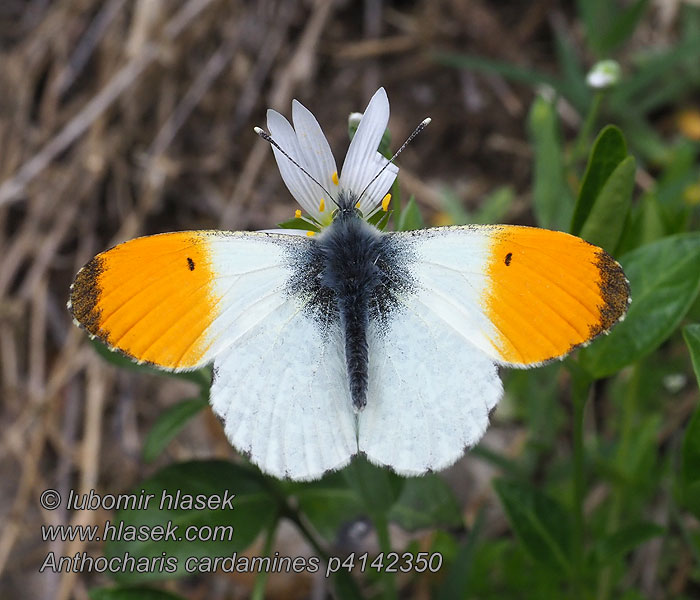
column 348, row 206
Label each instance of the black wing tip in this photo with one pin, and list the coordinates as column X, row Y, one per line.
column 85, row 294
column 615, row 293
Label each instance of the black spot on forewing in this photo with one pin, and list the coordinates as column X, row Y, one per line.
column 190, row 263
column 85, row 294
column 509, row 257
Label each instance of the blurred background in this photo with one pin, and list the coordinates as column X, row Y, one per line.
column 120, row 119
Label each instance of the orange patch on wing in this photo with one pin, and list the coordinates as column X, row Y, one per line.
column 550, row 292
column 151, row 297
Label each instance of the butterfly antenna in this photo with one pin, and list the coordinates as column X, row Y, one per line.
column 268, row 138
column 421, row 126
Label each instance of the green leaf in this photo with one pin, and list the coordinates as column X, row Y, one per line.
column 551, row 198
column 664, row 280
column 494, row 207
column 541, row 524
column 690, row 471
column 508, row 466
column 574, row 78
column 622, row 26
column 645, row 224
column 169, row 425
column 346, row 587
column 202, row 377
column 691, row 333
column 452, row 205
column 131, row 593
column 328, row 504
column 607, row 220
column 380, row 219
column 426, row 502
column 410, row 218
column 506, row 69
column 625, row 540
column 609, row 150
column 655, row 68
column 377, row 487
column 253, row 510
column 593, row 13
column 299, row 223
column 690, row 453
column 457, row 582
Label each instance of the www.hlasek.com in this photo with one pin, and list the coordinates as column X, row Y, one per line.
column 118, row 530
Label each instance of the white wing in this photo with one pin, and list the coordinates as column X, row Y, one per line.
column 430, row 393
column 282, row 392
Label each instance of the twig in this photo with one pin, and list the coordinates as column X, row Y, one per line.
column 11, row 188
column 97, row 383
column 85, row 48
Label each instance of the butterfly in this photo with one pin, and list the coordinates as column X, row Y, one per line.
column 353, row 340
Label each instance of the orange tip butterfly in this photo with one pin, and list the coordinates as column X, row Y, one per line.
column 353, row 340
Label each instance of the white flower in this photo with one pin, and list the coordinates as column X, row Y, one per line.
column 604, row 74
column 306, row 144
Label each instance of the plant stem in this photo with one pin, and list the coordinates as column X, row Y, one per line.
column 261, row 578
column 629, row 402
column 581, row 384
column 342, row 578
column 310, row 536
column 382, row 527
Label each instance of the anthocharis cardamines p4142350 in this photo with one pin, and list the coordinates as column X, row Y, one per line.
column 353, row 340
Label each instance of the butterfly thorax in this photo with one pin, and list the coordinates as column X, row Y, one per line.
column 350, row 250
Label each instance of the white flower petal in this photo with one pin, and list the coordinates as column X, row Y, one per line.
column 362, row 162
column 372, row 200
column 300, row 186
column 316, row 150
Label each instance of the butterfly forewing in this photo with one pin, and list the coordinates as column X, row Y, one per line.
column 177, row 299
column 521, row 295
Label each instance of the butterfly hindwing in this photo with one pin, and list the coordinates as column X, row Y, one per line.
column 282, row 392
column 430, row 392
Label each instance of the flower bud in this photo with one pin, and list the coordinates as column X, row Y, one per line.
column 604, row 74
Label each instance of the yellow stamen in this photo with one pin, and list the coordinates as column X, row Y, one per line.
column 310, row 233
column 322, row 205
column 385, row 202
column 334, row 177
column 297, row 214
column 357, row 205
